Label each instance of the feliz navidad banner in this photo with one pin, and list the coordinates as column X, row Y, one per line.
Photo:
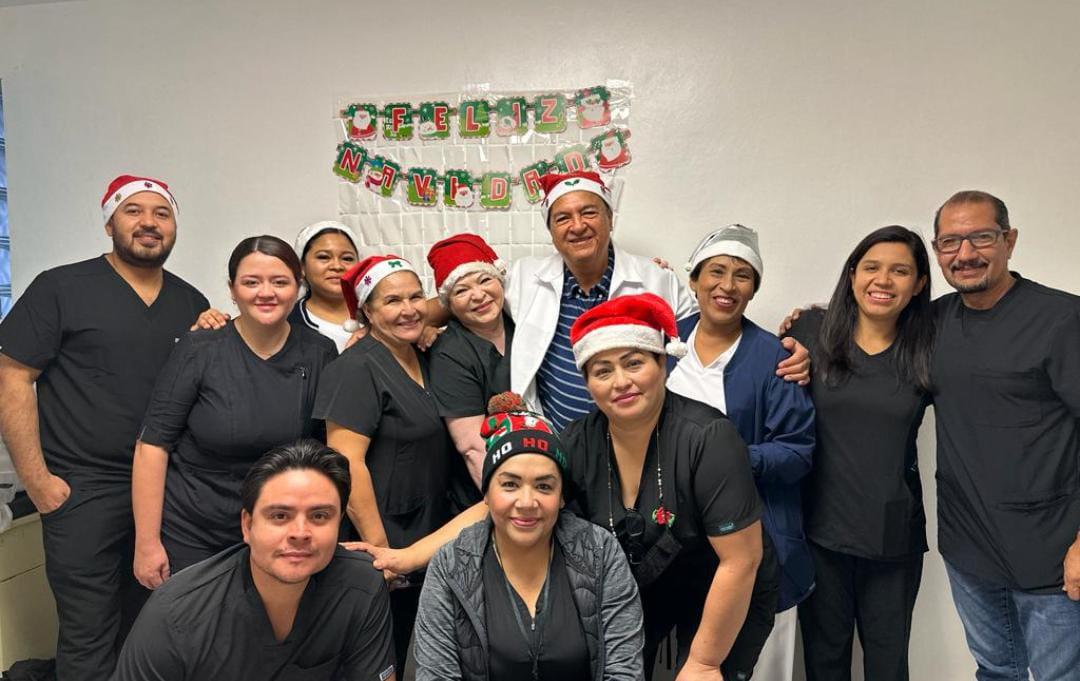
column 511, row 117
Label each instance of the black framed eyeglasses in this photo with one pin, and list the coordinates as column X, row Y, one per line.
column 950, row 243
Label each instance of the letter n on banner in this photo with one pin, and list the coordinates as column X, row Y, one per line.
column 350, row 161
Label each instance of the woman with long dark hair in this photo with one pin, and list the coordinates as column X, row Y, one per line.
column 224, row 398
column 864, row 519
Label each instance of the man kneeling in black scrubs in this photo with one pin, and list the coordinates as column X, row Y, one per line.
column 286, row 604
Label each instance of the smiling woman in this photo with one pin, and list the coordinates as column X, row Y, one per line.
column 380, row 413
column 224, row 398
column 865, row 524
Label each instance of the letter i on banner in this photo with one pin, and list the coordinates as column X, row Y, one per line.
column 397, row 122
column 495, row 190
column 549, row 113
column 457, row 189
column 421, row 189
column 350, row 161
column 434, row 120
column 511, row 117
column 530, row 180
column 474, row 118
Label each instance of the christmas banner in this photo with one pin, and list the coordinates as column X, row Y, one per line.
column 385, row 145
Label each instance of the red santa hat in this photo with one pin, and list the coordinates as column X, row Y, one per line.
column 362, row 278
column 459, row 255
column 555, row 185
column 641, row 322
column 125, row 186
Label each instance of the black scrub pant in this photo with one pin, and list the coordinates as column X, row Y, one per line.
column 875, row 595
column 403, row 606
column 89, row 551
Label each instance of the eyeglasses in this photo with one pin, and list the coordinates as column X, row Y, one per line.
column 634, row 524
column 950, row 243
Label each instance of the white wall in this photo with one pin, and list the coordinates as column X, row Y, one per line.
column 812, row 121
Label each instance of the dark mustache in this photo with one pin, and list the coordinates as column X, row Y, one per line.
column 968, row 263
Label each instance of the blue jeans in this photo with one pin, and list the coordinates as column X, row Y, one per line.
column 1009, row 631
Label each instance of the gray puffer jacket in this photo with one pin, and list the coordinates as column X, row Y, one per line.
column 452, row 636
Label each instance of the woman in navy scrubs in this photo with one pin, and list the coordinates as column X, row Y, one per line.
column 225, row 397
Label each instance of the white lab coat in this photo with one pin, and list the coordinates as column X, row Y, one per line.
column 534, row 290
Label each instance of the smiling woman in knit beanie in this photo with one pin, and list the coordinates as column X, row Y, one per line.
column 551, row 593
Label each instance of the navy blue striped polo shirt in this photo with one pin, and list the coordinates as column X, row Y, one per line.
column 560, row 386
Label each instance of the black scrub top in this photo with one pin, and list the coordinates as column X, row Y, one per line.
column 863, row 496
column 551, row 645
column 209, row 622
column 707, row 484
column 367, row 391
column 217, row 407
column 99, row 348
column 468, row 370
column 1007, row 406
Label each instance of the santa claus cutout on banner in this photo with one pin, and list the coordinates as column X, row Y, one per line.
column 362, row 124
column 613, row 150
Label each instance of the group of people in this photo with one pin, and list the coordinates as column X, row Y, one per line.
column 586, row 460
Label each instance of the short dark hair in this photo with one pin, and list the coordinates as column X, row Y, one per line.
column 301, row 455
column 1001, row 213
column 267, row 245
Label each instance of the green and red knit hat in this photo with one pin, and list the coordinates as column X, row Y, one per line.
column 511, row 430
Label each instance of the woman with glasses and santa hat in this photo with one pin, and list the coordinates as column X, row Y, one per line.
column 471, row 358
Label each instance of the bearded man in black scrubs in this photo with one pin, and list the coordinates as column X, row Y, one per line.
column 285, row 605
column 92, row 337
column 1007, row 400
